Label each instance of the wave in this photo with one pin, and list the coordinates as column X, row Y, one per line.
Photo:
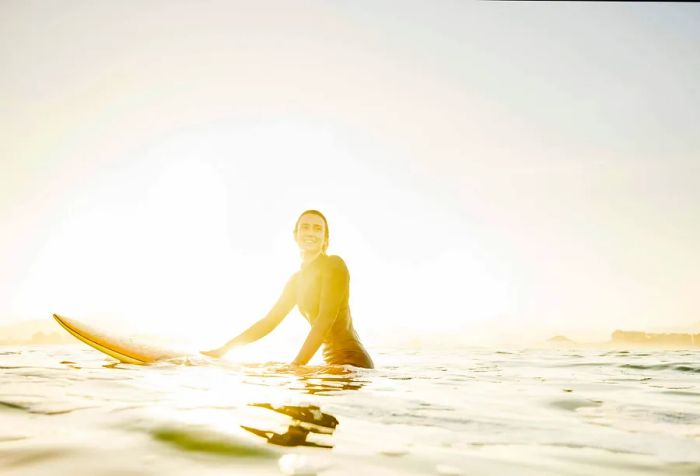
column 207, row 441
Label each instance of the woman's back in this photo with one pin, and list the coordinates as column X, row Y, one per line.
column 323, row 288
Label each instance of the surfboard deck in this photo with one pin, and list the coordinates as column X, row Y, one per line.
column 125, row 349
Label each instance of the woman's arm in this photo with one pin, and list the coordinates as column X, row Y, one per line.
column 334, row 288
column 264, row 326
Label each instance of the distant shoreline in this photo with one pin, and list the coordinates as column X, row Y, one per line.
column 41, row 338
column 620, row 338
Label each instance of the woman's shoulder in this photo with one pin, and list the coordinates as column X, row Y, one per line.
column 293, row 279
column 336, row 263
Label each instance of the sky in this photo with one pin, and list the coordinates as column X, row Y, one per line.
column 515, row 170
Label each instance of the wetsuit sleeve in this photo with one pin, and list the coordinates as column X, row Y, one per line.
column 285, row 303
column 264, row 326
column 335, row 284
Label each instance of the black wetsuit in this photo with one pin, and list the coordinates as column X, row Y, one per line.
column 326, row 282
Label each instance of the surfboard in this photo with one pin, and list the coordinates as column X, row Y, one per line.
column 123, row 348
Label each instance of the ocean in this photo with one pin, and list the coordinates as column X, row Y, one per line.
column 70, row 410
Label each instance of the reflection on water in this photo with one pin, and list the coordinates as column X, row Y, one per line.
column 310, row 414
column 327, row 385
column 314, row 380
column 295, row 436
column 308, row 419
column 305, row 419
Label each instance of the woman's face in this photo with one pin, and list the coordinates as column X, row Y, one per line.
column 311, row 233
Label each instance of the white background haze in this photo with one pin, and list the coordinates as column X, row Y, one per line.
column 487, row 169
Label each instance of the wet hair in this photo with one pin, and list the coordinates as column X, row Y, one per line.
column 325, row 222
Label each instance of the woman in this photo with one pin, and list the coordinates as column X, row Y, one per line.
column 321, row 290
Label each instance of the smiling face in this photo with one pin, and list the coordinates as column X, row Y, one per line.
column 311, row 234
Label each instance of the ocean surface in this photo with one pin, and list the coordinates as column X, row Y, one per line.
column 70, row 410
